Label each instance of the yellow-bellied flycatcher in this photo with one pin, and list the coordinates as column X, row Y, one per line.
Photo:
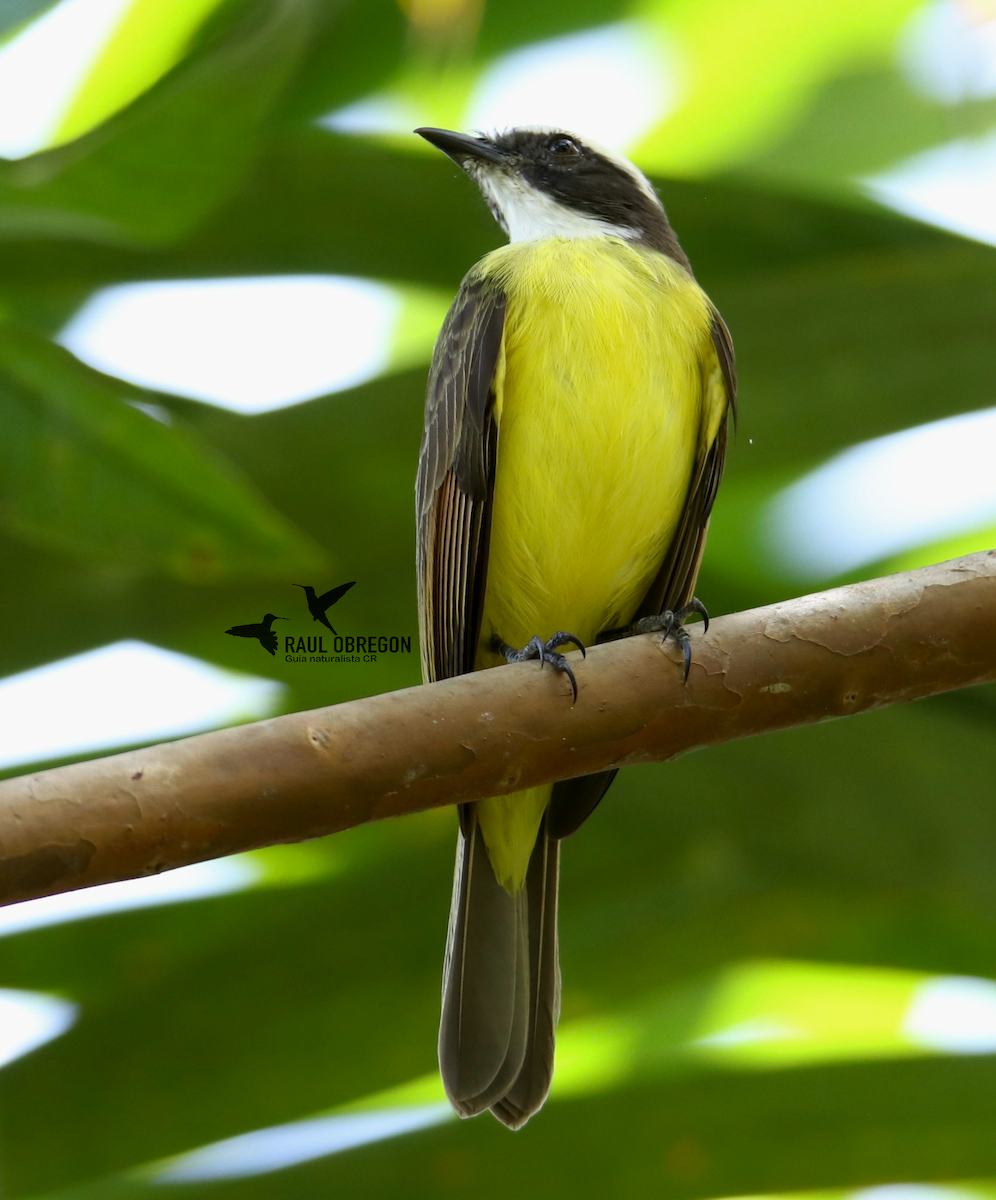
column 575, row 431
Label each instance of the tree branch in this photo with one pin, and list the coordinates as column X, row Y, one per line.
column 828, row 655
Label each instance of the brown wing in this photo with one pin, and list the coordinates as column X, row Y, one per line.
column 456, row 479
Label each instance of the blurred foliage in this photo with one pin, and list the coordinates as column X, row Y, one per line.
column 868, row 842
column 88, row 473
column 727, row 113
column 147, row 42
column 16, row 13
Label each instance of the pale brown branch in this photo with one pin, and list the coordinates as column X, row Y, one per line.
column 828, row 655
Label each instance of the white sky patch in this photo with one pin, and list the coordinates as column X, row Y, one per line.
column 954, row 1015
column 748, row 1033
column 121, row 694
column 373, row 115
column 952, row 186
column 948, row 51
column 29, row 1020
column 42, row 68
column 888, row 495
column 612, row 84
column 283, row 1146
column 913, row 1191
column 248, row 344
column 218, row 878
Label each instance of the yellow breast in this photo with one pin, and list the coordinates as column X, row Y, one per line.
column 599, row 412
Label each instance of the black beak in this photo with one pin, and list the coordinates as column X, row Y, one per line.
column 461, row 147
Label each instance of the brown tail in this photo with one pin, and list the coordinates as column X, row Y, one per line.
column 501, row 983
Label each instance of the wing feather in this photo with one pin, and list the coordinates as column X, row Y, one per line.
column 456, row 479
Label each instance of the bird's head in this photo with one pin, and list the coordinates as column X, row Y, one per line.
column 541, row 182
column 273, row 617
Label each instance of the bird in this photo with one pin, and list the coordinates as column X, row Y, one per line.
column 318, row 604
column 261, row 632
column 575, row 434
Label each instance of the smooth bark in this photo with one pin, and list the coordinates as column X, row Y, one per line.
column 832, row 654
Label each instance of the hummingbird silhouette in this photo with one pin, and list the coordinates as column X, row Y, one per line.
column 261, row 632
column 318, row 604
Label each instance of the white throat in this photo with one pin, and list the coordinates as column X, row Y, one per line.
column 529, row 215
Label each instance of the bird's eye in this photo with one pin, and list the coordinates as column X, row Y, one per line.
column 563, row 147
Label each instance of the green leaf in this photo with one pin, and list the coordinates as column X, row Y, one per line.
column 148, row 40
column 157, row 168
column 85, row 472
column 356, row 46
column 833, row 144
column 729, row 110
column 516, row 22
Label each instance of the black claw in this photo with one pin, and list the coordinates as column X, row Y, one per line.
column 694, row 605
column 565, row 639
column 537, row 646
column 546, row 652
column 562, row 664
column 671, row 624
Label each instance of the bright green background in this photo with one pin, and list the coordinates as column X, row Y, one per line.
column 870, row 842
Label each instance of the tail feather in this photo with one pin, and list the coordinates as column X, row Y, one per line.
column 482, row 1032
column 527, row 1093
column 501, row 984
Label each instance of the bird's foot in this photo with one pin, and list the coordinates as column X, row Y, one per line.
column 672, row 624
column 546, row 652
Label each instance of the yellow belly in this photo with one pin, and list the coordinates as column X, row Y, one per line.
column 599, row 411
